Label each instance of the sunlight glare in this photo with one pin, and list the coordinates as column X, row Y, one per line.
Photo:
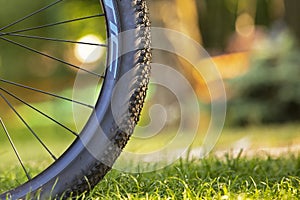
column 245, row 25
column 89, row 53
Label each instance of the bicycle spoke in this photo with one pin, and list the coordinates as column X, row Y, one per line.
column 53, row 24
column 52, row 57
column 46, row 93
column 56, row 40
column 29, row 128
column 14, row 149
column 30, row 15
column 45, row 47
column 37, row 110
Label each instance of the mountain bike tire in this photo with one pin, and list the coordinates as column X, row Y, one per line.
column 88, row 159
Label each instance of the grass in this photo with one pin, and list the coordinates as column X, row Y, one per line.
column 209, row 178
column 228, row 177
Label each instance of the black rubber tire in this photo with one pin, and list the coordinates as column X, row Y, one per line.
column 90, row 157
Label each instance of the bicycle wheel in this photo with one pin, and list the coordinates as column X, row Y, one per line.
column 91, row 151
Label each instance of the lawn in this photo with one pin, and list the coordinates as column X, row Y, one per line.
column 209, row 178
column 229, row 176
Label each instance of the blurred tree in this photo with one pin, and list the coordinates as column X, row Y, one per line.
column 219, row 19
column 217, row 22
column 270, row 91
column 176, row 15
column 181, row 16
column 292, row 16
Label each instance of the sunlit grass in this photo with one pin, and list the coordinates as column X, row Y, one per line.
column 210, row 178
column 224, row 177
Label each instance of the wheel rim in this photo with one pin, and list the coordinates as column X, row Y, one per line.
column 39, row 110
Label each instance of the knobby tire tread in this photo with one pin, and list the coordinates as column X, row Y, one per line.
column 124, row 130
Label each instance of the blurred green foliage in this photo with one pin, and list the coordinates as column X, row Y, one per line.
column 217, row 19
column 270, row 91
column 217, row 22
column 292, row 16
column 19, row 64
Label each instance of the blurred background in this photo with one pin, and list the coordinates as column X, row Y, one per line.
column 255, row 46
